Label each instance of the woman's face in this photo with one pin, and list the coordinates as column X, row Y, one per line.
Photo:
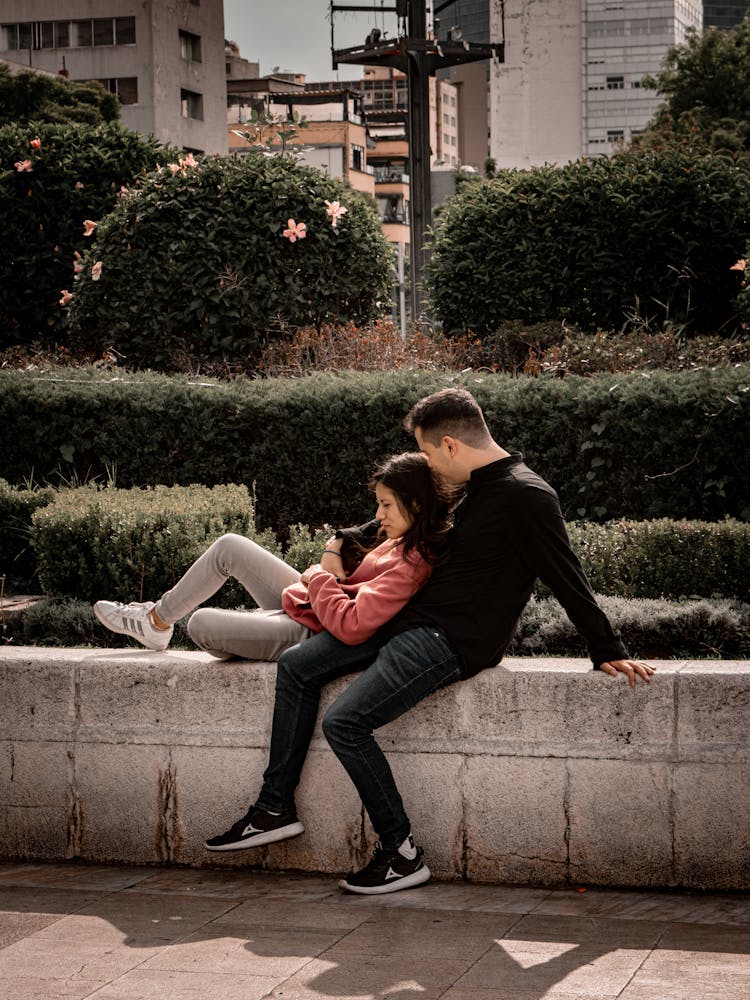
column 394, row 520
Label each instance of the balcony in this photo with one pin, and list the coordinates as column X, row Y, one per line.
column 390, row 175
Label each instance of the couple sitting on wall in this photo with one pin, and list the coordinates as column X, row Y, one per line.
column 426, row 595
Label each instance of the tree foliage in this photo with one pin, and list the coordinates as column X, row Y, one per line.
column 27, row 97
column 52, row 178
column 706, row 86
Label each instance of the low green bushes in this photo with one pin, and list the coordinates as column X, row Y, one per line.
column 132, row 545
column 651, row 629
column 17, row 557
column 640, row 446
column 665, row 558
column 645, row 238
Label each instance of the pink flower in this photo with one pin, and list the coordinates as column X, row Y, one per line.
column 65, row 297
column 96, row 271
column 36, row 143
column 23, row 165
column 739, row 266
column 77, row 267
column 189, row 161
column 336, row 211
column 79, row 186
column 296, row 231
column 88, row 227
column 174, row 167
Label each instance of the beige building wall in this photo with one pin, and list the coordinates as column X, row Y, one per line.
column 471, row 81
column 535, row 100
column 572, row 81
column 181, row 78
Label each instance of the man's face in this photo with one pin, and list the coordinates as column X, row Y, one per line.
column 441, row 457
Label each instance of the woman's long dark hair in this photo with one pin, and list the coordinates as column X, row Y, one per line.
column 423, row 496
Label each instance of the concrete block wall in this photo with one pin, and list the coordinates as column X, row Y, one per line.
column 541, row 771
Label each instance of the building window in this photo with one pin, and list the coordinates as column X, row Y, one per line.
column 64, row 34
column 615, row 135
column 357, row 157
column 125, row 30
column 190, row 46
column 191, row 104
column 125, row 87
column 446, row 119
column 615, row 83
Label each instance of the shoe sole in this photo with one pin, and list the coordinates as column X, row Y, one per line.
column 127, row 632
column 418, row 877
column 260, row 839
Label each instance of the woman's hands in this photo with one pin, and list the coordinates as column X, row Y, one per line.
column 330, row 561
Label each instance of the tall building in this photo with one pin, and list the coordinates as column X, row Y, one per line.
column 571, row 83
column 723, row 15
column 165, row 61
column 471, row 80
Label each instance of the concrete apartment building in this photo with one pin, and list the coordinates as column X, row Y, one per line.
column 165, row 61
column 571, row 82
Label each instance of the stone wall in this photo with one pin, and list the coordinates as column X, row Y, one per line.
column 540, row 771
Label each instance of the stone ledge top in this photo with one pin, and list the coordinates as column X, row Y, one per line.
column 134, row 656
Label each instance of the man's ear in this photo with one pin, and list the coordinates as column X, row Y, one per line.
column 450, row 444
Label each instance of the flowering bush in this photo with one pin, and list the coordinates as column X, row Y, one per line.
column 52, row 177
column 211, row 259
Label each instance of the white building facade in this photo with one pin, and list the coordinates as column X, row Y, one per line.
column 165, row 61
column 571, row 83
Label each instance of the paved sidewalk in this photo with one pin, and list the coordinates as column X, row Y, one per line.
column 75, row 931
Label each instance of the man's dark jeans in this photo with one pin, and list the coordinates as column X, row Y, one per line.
column 397, row 675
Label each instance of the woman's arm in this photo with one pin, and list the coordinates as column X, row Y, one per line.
column 353, row 618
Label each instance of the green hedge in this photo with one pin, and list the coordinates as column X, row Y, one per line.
column 17, row 557
column 132, row 545
column 637, row 446
column 648, row 238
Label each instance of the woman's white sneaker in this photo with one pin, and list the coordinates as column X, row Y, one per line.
column 133, row 620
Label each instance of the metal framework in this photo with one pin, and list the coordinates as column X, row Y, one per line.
column 419, row 56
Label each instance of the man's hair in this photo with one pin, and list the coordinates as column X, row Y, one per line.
column 454, row 412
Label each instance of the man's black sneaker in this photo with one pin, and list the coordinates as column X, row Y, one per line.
column 256, row 828
column 388, row 871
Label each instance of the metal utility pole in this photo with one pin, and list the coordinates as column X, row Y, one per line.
column 418, row 83
column 419, row 56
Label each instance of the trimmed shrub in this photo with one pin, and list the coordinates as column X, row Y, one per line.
column 638, row 446
column 196, row 263
column 17, row 558
column 132, row 545
column 75, row 174
column 665, row 558
column 648, row 238
column 651, row 629
column 305, row 546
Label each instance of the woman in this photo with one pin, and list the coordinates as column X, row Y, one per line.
column 413, row 511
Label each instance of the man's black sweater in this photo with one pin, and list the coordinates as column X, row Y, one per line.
column 509, row 531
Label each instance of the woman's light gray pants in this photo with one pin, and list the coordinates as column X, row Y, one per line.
column 253, row 635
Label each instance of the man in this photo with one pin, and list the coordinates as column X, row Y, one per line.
column 508, row 532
